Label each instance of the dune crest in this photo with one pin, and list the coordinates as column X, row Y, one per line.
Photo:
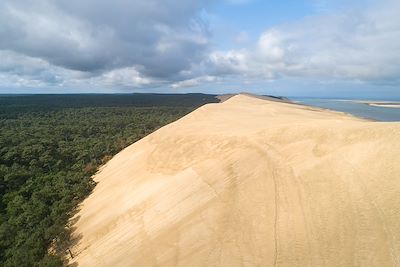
column 249, row 182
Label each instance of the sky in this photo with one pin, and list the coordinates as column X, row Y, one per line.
column 321, row 48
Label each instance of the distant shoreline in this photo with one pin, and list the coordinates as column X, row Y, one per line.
column 383, row 104
column 371, row 109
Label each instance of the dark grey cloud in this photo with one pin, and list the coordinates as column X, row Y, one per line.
column 159, row 38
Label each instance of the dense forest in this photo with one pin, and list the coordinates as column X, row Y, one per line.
column 50, row 146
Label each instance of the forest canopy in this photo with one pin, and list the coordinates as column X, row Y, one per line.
column 50, row 146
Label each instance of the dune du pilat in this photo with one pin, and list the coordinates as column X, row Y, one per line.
column 248, row 182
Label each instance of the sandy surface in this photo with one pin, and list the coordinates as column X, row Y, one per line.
column 385, row 105
column 249, row 182
column 223, row 98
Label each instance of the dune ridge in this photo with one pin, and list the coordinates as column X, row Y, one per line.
column 249, row 182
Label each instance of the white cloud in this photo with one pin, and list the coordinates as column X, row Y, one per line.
column 242, row 37
column 18, row 70
column 239, row 2
column 270, row 46
column 358, row 45
column 128, row 77
column 21, row 70
column 194, row 82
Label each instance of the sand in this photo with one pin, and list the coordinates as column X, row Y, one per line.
column 385, row 105
column 249, row 182
column 382, row 104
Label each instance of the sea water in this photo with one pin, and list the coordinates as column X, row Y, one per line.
column 355, row 108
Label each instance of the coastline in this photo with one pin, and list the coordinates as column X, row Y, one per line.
column 375, row 110
column 383, row 104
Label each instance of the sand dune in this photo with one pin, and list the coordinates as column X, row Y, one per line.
column 249, row 182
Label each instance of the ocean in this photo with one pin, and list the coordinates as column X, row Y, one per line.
column 349, row 106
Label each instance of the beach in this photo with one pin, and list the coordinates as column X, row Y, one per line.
column 383, row 104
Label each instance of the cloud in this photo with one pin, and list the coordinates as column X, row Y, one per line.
column 194, row 82
column 21, row 70
column 242, row 37
column 167, row 43
column 239, row 2
column 156, row 38
column 356, row 45
column 127, row 77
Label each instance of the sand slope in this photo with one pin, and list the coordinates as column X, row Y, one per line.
column 249, row 182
